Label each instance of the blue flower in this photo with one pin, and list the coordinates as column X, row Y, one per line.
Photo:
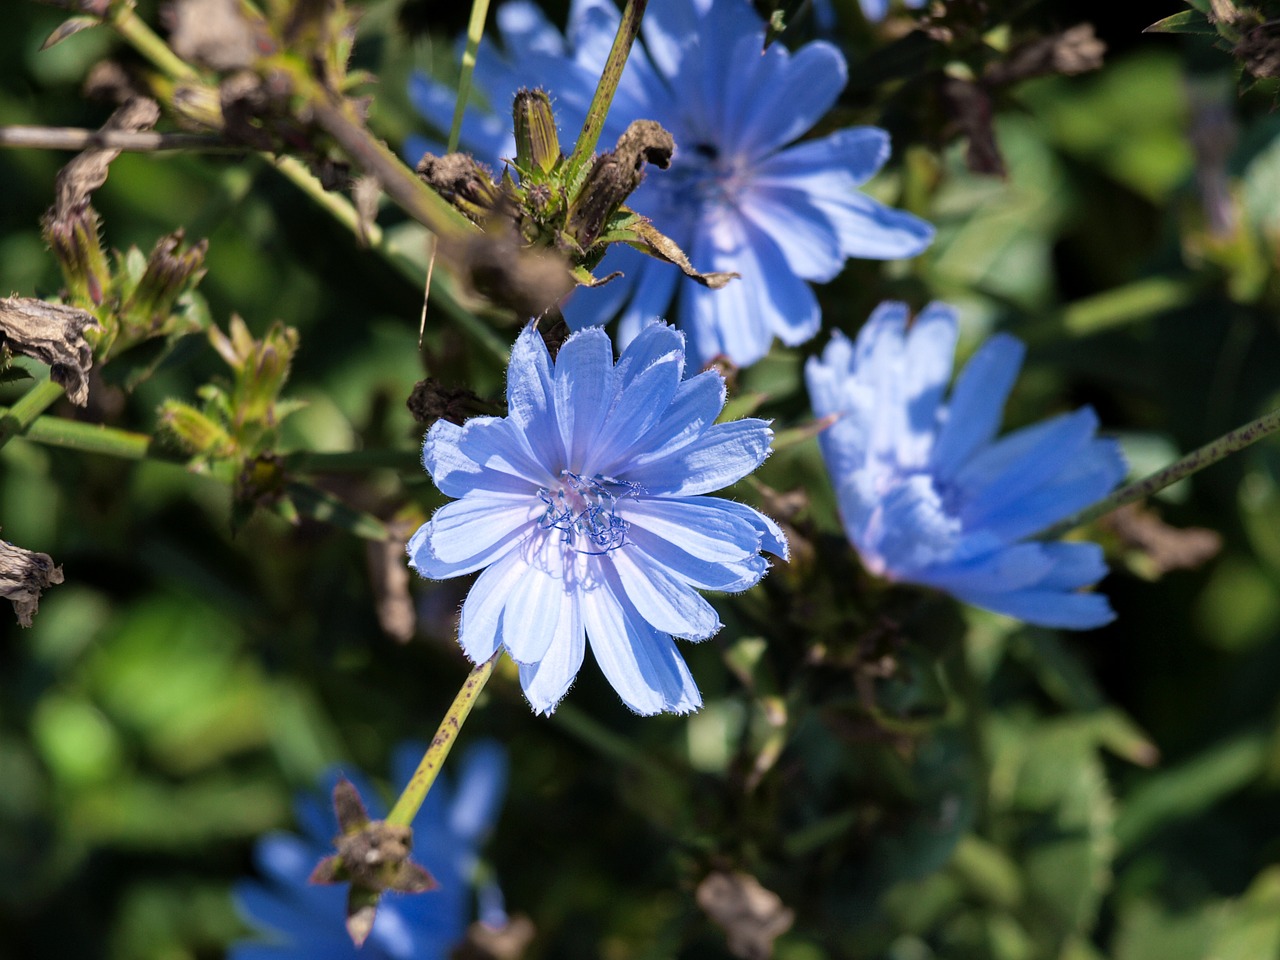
column 876, row 9
column 741, row 195
column 586, row 508
column 928, row 494
column 303, row 921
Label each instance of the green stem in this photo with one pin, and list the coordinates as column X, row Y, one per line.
column 23, row 413
column 144, row 40
column 86, row 437
column 416, row 790
column 338, row 206
column 585, row 148
column 1193, row 462
column 475, row 28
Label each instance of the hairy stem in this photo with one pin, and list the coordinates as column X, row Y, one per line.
column 419, row 785
column 1193, row 462
column 628, row 29
column 475, row 28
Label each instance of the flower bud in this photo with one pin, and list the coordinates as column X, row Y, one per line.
column 537, row 141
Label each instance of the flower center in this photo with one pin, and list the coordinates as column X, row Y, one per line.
column 706, row 173
column 585, row 510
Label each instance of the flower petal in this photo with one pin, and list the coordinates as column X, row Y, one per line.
column 977, row 403
column 531, row 401
column 474, row 526
column 480, row 627
column 699, row 526
column 723, row 454
column 536, row 600
column 583, row 390
column 641, row 663
column 546, row 682
column 665, row 602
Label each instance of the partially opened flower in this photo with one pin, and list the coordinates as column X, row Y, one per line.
column 304, row 921
column 586, row 509
column 741, row 194
column 928, row 494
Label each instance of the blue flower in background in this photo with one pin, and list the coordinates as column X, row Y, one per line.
column 876, row 9
column 928, row 494
column 303, row 921
column 585, row 507
column 741, row 195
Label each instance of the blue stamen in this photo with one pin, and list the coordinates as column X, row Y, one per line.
column 587, row 507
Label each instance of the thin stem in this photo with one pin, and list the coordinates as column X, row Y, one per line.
column 86, row 437
column 411, row 194
column 23, row 413
column 475, row 28
column 628, row 29
column 76, row 138
column 145, row 41
column 419, row 785
column 1193, row 462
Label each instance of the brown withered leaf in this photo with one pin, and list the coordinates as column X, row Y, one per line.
column 484, row 942
column 498, row 267
column 54, row 335
column 657, row 244
column 1168, row 547
column 751, row 916
column 88, row 171
column 23, row 575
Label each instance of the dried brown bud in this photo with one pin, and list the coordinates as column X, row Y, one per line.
column 751, row 916
column 463, row 181
column 537, row 140
column 1259, row 49
column 214, row 34
column 54, row 335
column 1167, row 547
column 614, row 176
column 171, row 269
column 23, row 575
column 1074, row 51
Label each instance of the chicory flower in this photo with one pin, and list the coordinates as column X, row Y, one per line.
column 741, row 194
column 928, row 495
column 586, row 509
column 304, row 921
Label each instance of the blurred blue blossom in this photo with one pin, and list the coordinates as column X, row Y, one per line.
column 741, row 195
column 585, row 506
column 928, row 494
column 876, row 9
column 303, row 921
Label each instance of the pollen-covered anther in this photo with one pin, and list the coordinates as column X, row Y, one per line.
column 586, row 507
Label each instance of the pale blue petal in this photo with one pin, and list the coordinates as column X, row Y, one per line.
column 480, row 627
column 1084, row 479
column 642, row 664
column 724, row 454
column 870, row 230
column 530, row 397
column 584, row 389
column 792, row 99
column 1022, row 462
column 423, row 559
column 664, row 601
column 526, row 31
column 701, row 527
column 546, row 682
column 772, row 539
column 977, row 403
column 502, row 446
column 482, row 783
column 287, row 859
column 536, row 600
column 722, row 576
column 1048, row 607
column 695, row 406
column 1012, row 568
column 830, row 165
column 462, row 529
column 875, row 9
column 910, row 532
column 805, row 237
column 655, row 289
column 645, row 393
column 456, row 474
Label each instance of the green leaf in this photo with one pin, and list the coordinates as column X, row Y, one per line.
column 1188, row 21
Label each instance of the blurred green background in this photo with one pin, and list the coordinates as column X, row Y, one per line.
column 914, row 780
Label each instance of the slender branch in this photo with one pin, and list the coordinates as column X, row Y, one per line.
column 419, row 784
column 86, row 437
column 628, row 29
column 146, row 42
column 23, row 413
column 475, row 28
column 1193, row 462
column 372, row 155
column 76, row 138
